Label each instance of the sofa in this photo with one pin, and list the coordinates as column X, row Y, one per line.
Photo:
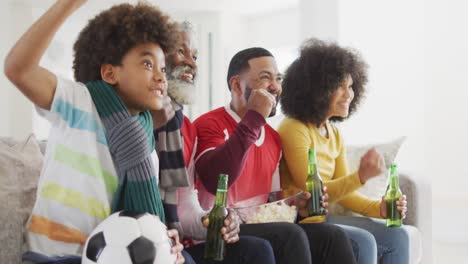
column 408, row 187
column 21, row 163
column 20, row 166
column 376, row 187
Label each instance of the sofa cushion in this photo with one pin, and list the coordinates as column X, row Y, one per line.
column 415, row 245
column 375, row 187
column 20, row 166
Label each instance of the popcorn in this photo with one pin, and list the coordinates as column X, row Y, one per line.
column 271, row 212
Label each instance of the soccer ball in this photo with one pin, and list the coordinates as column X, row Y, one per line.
column 128, row 238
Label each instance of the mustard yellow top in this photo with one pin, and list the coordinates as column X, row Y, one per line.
column 296, row 138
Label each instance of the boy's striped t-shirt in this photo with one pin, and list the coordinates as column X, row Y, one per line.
column 78, row 179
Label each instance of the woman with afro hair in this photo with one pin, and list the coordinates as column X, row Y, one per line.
column 325, row 86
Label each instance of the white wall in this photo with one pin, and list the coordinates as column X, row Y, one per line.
column 272, row 30
column 447, row 126
column 319, row 19
column 17, row 115
column 15, row 110
column 4, row 84
column 447, row 80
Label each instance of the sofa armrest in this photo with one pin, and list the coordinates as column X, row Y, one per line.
column 408, row 187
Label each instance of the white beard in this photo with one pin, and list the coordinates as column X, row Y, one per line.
column 180, row 91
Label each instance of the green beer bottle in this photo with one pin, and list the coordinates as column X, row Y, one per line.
column 215, row 245
column 391, row 197
column 314, row 186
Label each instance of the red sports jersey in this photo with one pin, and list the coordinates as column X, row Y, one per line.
column 260, row 173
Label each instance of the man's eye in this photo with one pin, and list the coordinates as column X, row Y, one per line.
column 181, row 51
column 163, row 70
column 265, row 77
column 194, row 58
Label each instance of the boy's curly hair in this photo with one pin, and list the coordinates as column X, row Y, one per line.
column 312, row 78
column 112, row 33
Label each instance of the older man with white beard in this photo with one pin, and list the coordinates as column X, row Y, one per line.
column 176, row 141
column 181, row 71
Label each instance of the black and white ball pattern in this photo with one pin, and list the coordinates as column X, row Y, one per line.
column 128, row 238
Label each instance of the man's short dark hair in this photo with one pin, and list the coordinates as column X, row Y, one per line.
column 240, row 61
column 109, row 36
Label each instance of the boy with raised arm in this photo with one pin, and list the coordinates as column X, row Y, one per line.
column 100, row 156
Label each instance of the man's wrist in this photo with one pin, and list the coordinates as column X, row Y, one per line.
column 254, row 122
column 254, row 118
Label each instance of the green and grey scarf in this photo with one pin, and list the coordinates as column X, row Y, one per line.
column 131, row 142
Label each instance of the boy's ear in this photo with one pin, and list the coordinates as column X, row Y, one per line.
column 234, row 82
column 109, row 74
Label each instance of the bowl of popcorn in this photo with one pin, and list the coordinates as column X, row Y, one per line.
column 277, row 206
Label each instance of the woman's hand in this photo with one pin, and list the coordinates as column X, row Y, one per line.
column 324, row 202
column 177, row 248
column 372, row 164
column 401, row 206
